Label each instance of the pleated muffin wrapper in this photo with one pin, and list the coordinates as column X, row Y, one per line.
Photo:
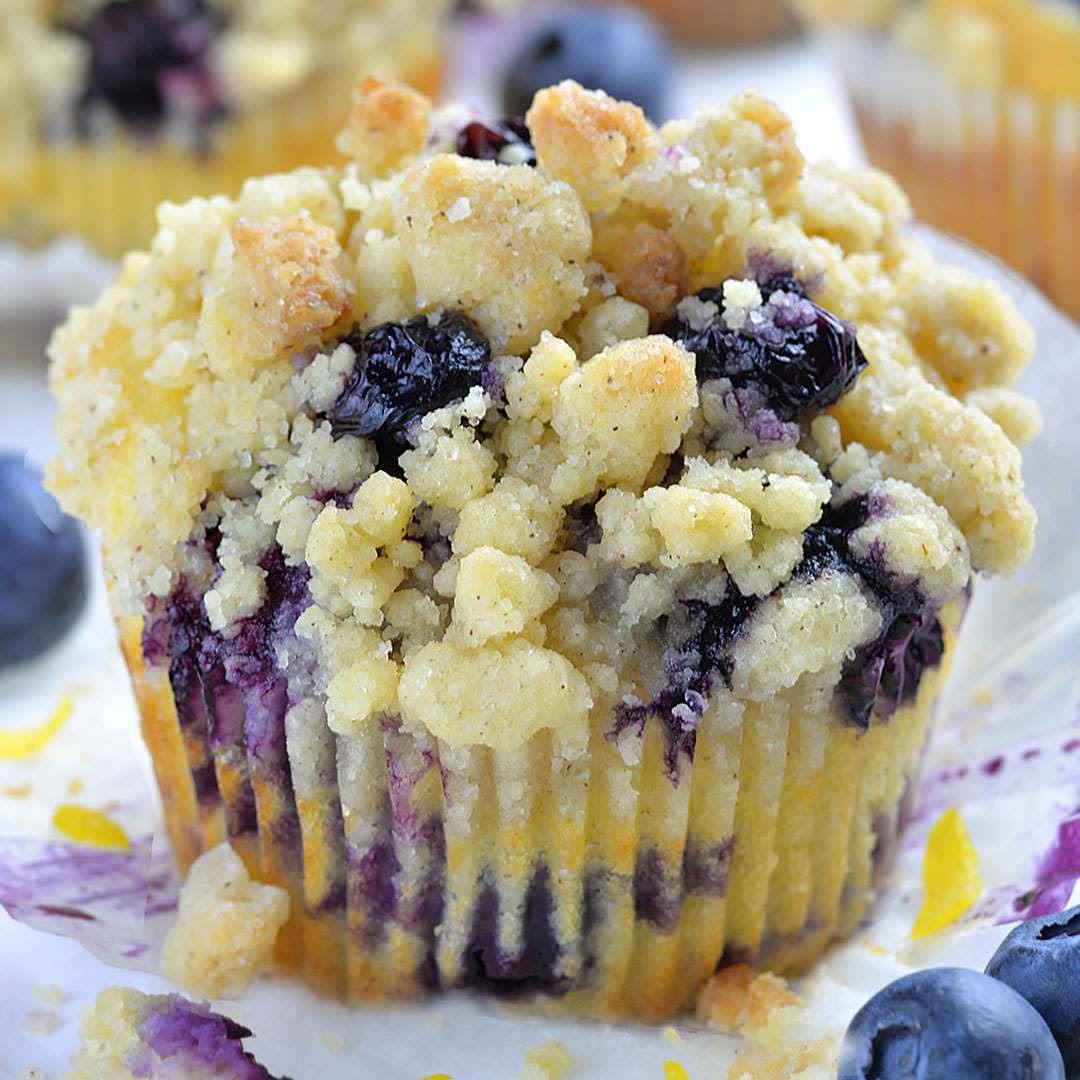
column 105, row 186
column 733, row 22
column 999, row 166
column 612, row 875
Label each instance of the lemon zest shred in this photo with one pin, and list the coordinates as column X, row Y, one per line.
column 91, row 827
column 952, row 882
column 31, row 741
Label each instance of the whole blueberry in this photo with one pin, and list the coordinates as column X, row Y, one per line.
column 1040, row 960
column 42, row 566
column 948, row 1024
column 615, row 49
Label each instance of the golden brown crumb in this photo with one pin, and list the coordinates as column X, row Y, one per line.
column 589, row 139
column 387, row 127
column 649, row 266
column 738, row 999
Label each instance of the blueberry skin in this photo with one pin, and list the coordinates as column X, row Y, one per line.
column 43, row 579
column 1040, row 960
column 604, row 48
column 948, row 1024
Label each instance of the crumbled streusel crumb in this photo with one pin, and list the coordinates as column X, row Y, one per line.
column 550, row 1061
column 226, row 927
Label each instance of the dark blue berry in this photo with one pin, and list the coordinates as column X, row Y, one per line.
column 801, row 358
column 43, row 578
column 615, row 49
column 948, row 1023
column 138, row 46
column 1040, row 960
column 405, row 370
column 507, row 141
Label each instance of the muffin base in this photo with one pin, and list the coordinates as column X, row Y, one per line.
column 998, row 167
column 108, row 191
column 733, row 22
column 611, row 887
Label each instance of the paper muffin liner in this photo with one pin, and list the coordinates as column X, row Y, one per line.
column 1000, row 167
column 735, row 21
column 107, row 189
column 606, row 880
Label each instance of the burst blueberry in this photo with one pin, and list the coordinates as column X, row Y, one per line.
column 947, row 1023
column 138, row 46
column 799, row 356
column 506, row 141
column 1040, row 960
column 43, row 581
column 404, row 371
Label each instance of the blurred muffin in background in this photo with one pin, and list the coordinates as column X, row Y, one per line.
column 723, row 21
column 110, row 107
column 975, row 106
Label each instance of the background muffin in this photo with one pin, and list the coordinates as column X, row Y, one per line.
column 727, row 21
column 975, row 106
column 540, row 553
column 112, row 106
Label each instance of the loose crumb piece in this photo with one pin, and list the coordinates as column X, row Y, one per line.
column 50, row 994
column 42, row 1022
column 739, row 1000
column 332, row 1041
column 33, row 1072
column 550, row 1061
column 227, row 926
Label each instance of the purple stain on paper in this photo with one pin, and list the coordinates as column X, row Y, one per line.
column 104, row 899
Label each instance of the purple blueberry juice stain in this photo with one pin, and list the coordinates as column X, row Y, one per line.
column 185, row 1034
column 101, row 898
column 692, row 668
column 885, row 673
column 1059, row 870
column 488, row 967
column 993, row 766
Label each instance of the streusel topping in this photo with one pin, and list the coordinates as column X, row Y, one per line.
column 503, row 447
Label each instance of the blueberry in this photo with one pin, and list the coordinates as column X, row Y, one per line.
column 506, row 141
column 43, row 580
column 405, row 370
column 136, row 46
column 604, row 48
column 1040, row 960
column 948, row 1023
column 799, row 356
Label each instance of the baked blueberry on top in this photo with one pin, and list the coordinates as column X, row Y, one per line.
column 538, row 545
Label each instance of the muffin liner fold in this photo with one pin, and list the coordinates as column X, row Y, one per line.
column 608, row 882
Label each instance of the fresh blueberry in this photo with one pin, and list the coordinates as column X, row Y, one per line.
column 42, row 566
column 948, row 1024
column 1040, row 960
column 799, row 356
column 506, row 141
column 405, row 370
column 137, row 47
column 604, row 48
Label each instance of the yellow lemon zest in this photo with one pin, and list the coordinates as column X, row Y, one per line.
column 86, row 826
column 951, row 879
column 674, row 1071
column 31, row 741
column 437, row 1076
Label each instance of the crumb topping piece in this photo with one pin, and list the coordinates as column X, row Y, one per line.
column 226, row 927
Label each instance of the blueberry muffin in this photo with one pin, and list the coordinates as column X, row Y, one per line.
column 128, row 1034
column 975, row 106
column 112, row 106
column 538, row 546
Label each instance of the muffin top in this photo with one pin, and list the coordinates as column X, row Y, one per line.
column 1032, row 45
column 506, row 425
column 147, row 64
